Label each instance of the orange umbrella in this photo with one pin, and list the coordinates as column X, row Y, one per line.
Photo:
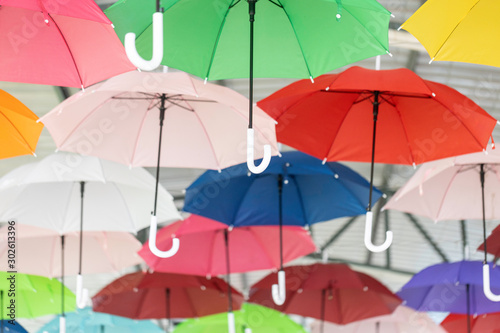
column 19, row 131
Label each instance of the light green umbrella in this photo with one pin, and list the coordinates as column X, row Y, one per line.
column 226, row 39
column 32, row 296
column 251, row 318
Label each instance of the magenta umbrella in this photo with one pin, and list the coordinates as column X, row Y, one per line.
column 65, row 43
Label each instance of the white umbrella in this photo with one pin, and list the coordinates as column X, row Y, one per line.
column 68, row 192
column 456, row 188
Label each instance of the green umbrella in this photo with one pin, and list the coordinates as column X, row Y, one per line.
column 219, row 39
column 30, row 296
column 251, row 317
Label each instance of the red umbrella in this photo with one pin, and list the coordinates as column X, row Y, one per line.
column 157, row 295
column 485, row 323
column 340, row 116
column 66, row 43
column 492, row 242
column 329, row 292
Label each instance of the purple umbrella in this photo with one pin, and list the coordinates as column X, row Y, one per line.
column 451, row 287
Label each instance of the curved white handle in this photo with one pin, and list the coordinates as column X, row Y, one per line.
column 131, row 50
column 486, row 285
column 152, row 241
column 81, row 294
column 368, row 236
column 279, row 290
column 250, row 154
column 230, row 323
column 62, row 324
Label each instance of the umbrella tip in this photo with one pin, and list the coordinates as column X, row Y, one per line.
column 430, row 61
column 311, row 78
column 400, row 27
column 112, row 25
column 414, row 166
column 324, row 161
column 206, row 79
column 498, row 122
column 393, row 16
column 389, row 53
column 34, row 154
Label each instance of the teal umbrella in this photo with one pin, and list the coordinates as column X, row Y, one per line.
column 87, row 321
column 251, row 318
column 226, row 39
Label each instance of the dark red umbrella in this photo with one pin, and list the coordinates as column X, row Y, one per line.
column 329, row 292
column 143, row 295
column 492, row 242
column 340, row 116
column 485, row 323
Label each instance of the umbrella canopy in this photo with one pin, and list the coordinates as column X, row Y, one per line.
column 87, row 321
column 34, row 296
column 41, row 248
column 9, row 327
column 492, row 243
column 451, row 287
column 212, row 41
column 20, row 129
column 385, row 116
column 49, row 194
column 119, row 120
column 402, row 320
column 64, row 43
column 330, row 292
column 158, row 295
column 258, row 319
column 207, row 247
column 455, row 30
column 485, row 323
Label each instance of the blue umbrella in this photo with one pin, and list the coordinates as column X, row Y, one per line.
column 451, row 287
column 8, row 327
column 87, row 321
column 296, row 189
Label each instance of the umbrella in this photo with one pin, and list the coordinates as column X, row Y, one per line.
column 207, row 246
column 251, row 318
column 118, row 120
column 336, row 118
column 328, row 292
column 61, row 189
column 451, row 287
column 31, row 296
column 462, row 187
column 296, row 189
column 158, row 295
column 64, row 43
column 11, row 326
column 20, row 131
column 86, row 321
column 292, row 39
column 485, row 323
column 455, row 30
column 492, row 243
column 402, row 320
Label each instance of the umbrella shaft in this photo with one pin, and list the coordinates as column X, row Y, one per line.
column 62, row 275
column 375, row 118
column 280, row 204
column 467, row 288
column 251, row 12
column 162, row 118
column 82, row 194
column 229, row 291
column 481, row 176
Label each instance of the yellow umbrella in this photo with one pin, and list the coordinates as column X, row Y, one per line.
column 19, row 131
column 464, row 30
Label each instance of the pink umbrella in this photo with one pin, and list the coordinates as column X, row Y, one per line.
column 65, row 43
column 402, row 320
column 159, row 119
column 455, row 188
column 41, row 251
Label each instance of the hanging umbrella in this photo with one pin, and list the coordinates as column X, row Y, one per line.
column 328, row 292
column 212, row 248
column 118, row 120
column 86, row 321
column 20, row 131
column 451, row 287
column 251, row 318
column 456, row 30
column 292, row 38
column 158, row 295
column 67, row 192
column 402, row 320
column 34, row 296
column 456, row 188
column 340, row 117
column 65, row 43
column 296, row 189
column 485, row 323
column 492, row 243
column 11, row 326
